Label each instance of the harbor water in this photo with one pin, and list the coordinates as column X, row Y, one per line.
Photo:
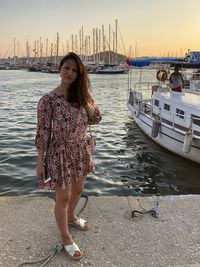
column 127, row 161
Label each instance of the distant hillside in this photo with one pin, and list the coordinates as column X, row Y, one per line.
column 114, row 57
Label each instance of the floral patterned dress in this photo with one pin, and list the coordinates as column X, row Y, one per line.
column 62, row 134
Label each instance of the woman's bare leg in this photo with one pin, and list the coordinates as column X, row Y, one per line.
column 61, row 206
column 76, row 190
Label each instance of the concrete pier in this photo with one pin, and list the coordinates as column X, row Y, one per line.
column 28, row 232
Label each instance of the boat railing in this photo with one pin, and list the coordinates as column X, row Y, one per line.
column 146, row 89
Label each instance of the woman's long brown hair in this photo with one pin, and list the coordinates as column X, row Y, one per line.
column 78, row 93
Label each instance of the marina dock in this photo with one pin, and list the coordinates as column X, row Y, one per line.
column 116, row 239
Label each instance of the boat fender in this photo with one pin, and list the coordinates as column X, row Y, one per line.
column 155, row 127
column 187, row 143
column 162, row 75
column 138, row 111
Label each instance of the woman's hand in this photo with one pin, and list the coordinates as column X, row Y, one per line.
column 90, row 110
column 40, row 170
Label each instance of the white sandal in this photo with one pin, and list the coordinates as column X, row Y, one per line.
column 79, row 224
column 71, row 250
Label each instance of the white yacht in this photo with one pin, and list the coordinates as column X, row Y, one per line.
column 171, row 119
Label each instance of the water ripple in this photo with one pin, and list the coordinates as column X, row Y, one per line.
column 127, row 162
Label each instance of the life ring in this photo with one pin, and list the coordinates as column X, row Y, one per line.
column 162, row 75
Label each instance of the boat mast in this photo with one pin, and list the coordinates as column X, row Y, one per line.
column 14, row 53
column 67, row 46
column 40, row 45
column 46, row 50
column 93, row 39
column 27, row 52
column 103, row 40
column 72, row 43
column 89, row 47
column 99, row 45
column 96, row 45
column 113, row 47
column 82, row 42
column 17, row 52
column 57, row 48
column 37, row 50
column 109, row 43
column 116, row 40
column 51, row 53
column 76, row 44
column 80, row 49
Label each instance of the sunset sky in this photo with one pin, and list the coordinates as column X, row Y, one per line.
column 150, row 27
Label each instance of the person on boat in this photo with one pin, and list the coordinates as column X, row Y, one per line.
column 196, row 75
column 176, row 80
column 63, row 146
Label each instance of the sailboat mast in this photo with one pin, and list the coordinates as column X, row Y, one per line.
column 99, row 44
column 93, row 38
column 103, row 40
column 57, row 48
column 27, row 52
column 72, row 43
column 109, row 41
column 82, row 42
column 96, row 44
column 116, row 40
column 18, row 52
column 40, row 45
column 46, row 50
column 14, row 53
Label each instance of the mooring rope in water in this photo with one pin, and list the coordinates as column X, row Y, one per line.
column 56, row 250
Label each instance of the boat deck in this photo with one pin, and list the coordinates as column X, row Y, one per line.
column 191, row 100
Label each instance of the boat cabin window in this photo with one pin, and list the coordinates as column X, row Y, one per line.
column 166, row 107
column 196, row 119
column 180, row 113
column 156, row 102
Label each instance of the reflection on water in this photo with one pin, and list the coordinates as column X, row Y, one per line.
column 127, row 162
column 162, row 171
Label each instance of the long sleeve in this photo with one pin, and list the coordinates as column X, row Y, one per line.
column 97, row 114
column 44, row 123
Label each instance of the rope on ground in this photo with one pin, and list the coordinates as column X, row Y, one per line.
column 56, row 250
column 86, row 201
column 153, row 211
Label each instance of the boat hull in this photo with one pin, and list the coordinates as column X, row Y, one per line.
column 168, row 137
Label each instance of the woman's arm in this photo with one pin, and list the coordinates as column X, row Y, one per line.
column 43, row 133
column 40, row 171
column 93, row 112
column 90, row 111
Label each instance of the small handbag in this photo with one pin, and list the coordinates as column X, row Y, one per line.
column 92, row 141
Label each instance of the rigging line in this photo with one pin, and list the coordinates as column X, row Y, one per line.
column 122, row 41
column 120, row 48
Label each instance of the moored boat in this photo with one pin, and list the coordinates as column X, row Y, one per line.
column 111, row 69
column 171, row 119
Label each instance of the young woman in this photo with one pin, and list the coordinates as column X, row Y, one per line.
column 63, row 145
